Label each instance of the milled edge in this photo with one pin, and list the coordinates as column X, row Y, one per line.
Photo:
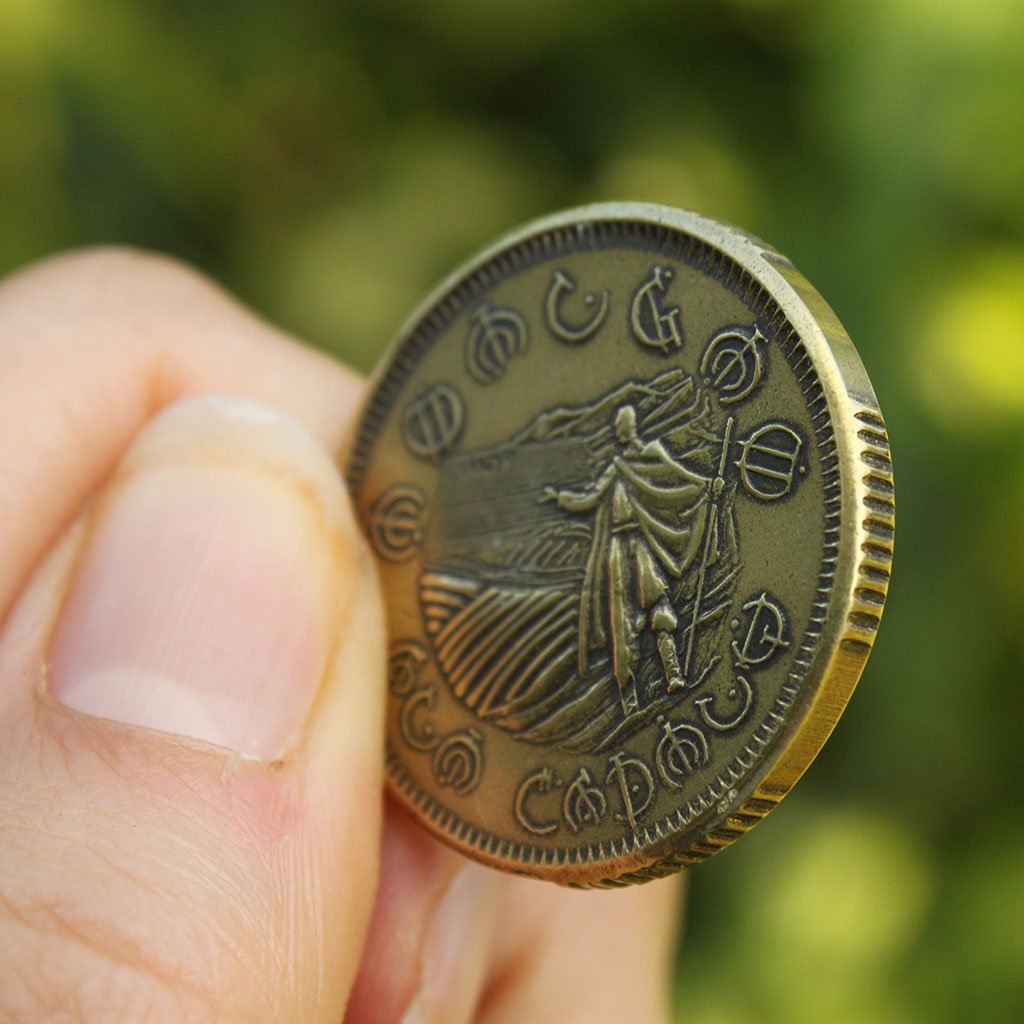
column 878, row 525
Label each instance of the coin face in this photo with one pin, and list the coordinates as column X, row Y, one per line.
column 631, row 497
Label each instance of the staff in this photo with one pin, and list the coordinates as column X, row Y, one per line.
column 716, row 490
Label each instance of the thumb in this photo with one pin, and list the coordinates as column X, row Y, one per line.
column 190, row 806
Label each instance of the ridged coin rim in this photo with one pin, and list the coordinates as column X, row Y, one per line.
column 859, row 524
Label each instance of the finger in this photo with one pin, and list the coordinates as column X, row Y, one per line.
column 512, row 949
column 428, row 947
column 214, row 601
column 217, row 593
column 600, row 957
column 94, row 343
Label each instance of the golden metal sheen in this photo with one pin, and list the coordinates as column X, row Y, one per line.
column 631, row 497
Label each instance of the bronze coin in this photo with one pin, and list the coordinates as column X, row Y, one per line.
column 632, row 501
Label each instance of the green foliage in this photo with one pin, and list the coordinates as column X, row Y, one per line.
column 331, row 162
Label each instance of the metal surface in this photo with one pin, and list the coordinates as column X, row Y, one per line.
column 632, row 501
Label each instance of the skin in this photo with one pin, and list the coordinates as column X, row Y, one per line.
column 145, row 875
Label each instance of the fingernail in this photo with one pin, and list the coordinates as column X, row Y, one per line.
column 456, row 948
column 205, row 600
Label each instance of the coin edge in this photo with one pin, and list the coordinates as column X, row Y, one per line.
column 865, row 544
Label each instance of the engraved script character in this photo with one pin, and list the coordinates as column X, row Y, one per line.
column 653, row 325
column 636, row 785
column 459, row 761
column 562, row 284
column 732, row 363
column 681, row 749
column 741, row 687
column 765, row 635
column 425, row 737
column 584, row 803
column 406, row 658
column 496, row 334
column 770, row 460
column 433, row 421
column 395, row 522
column 540, row 782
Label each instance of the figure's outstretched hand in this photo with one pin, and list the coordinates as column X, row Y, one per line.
column 191, row 701
column 548, row 494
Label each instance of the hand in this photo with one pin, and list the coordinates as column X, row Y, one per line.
column 548, row 494
column 191, row 701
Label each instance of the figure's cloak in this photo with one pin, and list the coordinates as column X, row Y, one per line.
column 665, row 499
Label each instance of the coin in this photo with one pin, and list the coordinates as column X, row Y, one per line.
column 631, row 496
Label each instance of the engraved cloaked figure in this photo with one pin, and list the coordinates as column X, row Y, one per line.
column 546, row 622
column 646, row 528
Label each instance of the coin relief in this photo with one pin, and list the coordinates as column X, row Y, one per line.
column 624, row 545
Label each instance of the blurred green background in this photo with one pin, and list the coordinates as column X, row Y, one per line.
column 330, row 162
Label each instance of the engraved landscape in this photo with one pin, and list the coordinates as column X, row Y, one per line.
column 575, row 575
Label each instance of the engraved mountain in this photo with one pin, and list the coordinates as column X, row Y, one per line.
column 576, row 575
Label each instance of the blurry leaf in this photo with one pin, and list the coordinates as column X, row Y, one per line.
column 27, row 31
column 820, row 921
column 680, row 170
column 353, row 274
column 848, row 892
column 968, row 358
